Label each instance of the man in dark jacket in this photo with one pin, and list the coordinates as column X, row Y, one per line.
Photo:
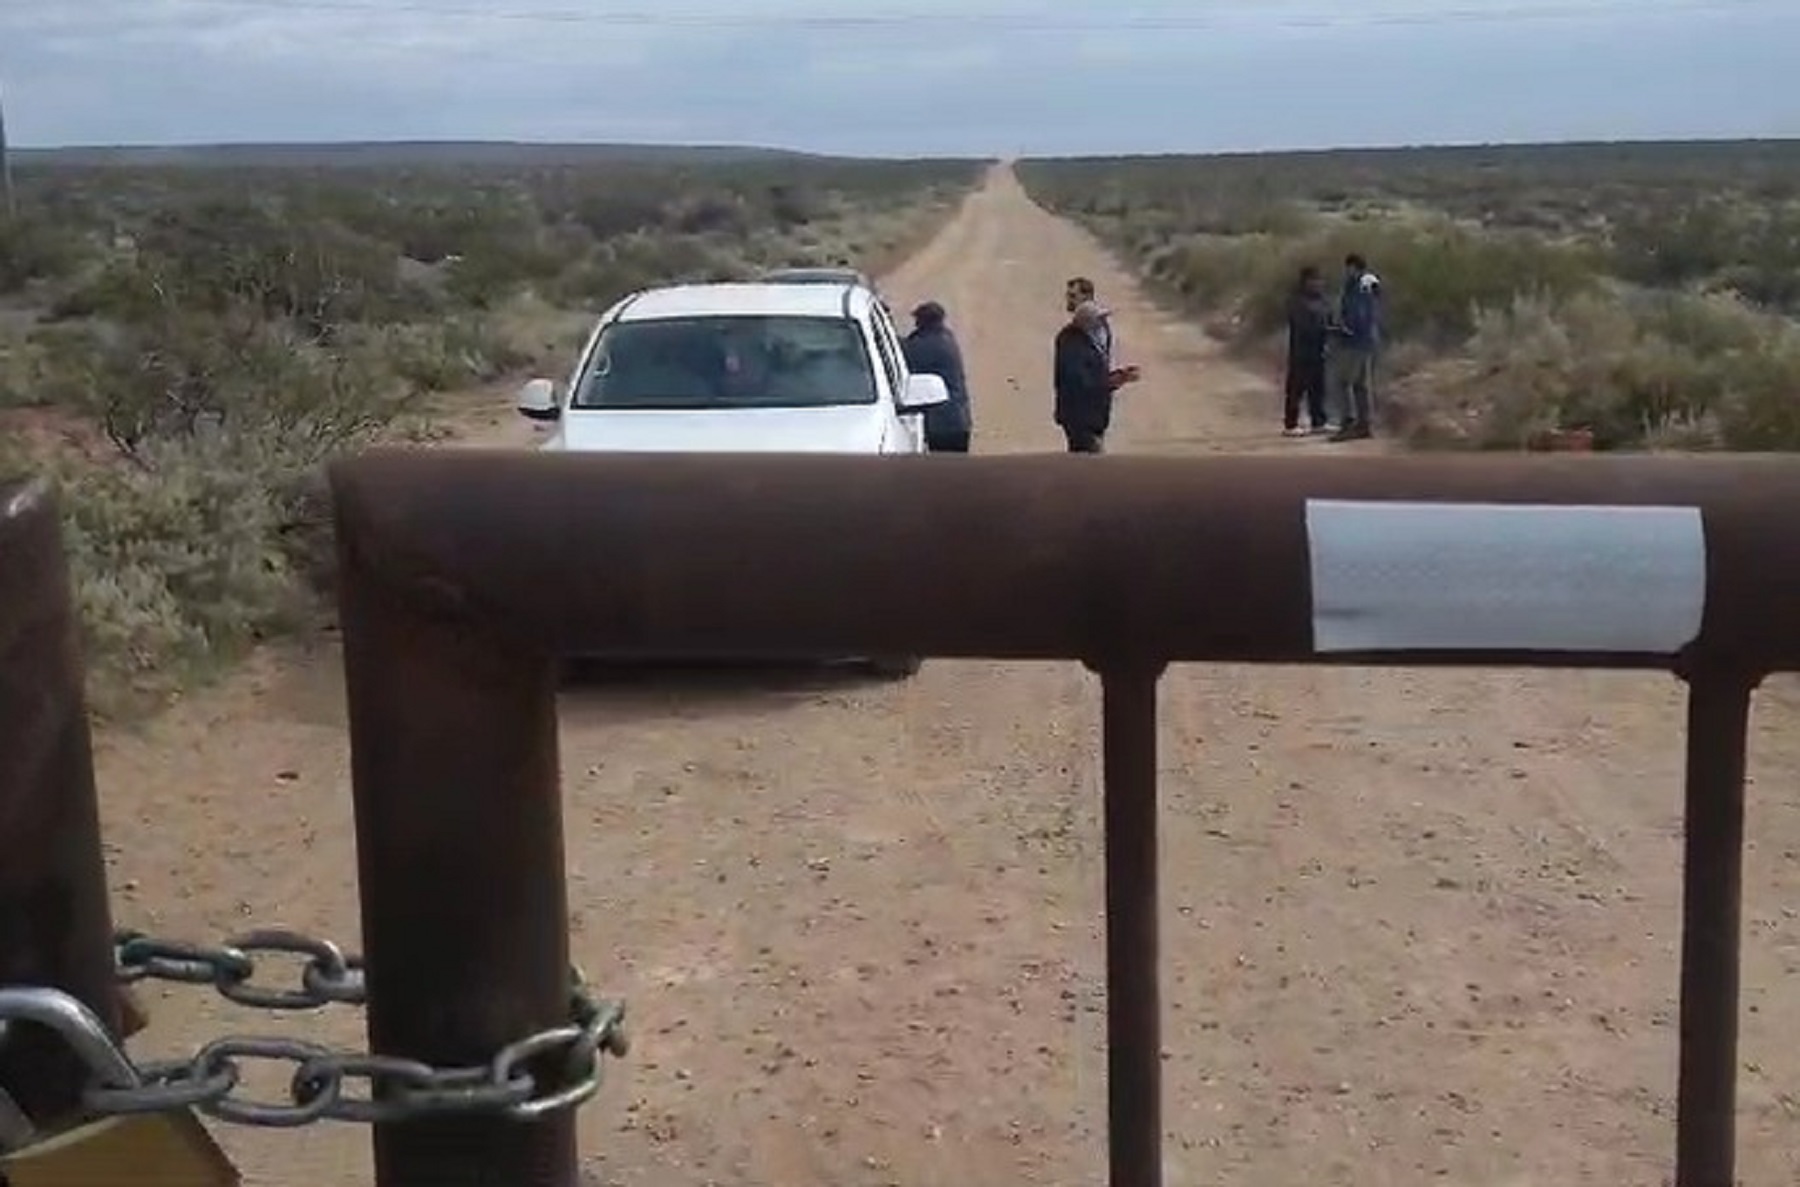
column 1354, row 349
column 1309, row 319
column 931, row 349
column 1084, row 382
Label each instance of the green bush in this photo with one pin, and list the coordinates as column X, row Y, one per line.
column 317, row 277
column 1437, row 274
column 179, row 546
column 445, row 355
column 175, row 557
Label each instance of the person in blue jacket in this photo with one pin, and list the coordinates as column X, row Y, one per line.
column 931, row 349
column 1355, row 345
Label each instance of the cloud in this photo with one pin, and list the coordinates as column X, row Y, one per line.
column 334, row 38
column 884, row 76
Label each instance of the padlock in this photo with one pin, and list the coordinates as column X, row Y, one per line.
column 170, row 1149
column 163, row 1149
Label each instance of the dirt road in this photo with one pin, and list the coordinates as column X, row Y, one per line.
column 1418, row 928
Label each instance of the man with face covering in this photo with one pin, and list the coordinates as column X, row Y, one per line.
column 1080, row 290
column 1084, row 382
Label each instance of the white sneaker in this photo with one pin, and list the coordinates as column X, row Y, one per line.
column 1296, row 431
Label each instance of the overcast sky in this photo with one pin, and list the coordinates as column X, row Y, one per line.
column 976, row 77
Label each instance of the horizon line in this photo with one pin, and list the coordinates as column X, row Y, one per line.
column 784, row 150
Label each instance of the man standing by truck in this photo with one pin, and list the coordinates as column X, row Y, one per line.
column 931, row 349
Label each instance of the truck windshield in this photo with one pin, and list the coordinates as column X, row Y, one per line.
column 728, row 362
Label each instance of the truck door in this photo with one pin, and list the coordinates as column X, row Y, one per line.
column 911, row 429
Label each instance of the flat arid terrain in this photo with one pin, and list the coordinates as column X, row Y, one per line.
column 1418, row 927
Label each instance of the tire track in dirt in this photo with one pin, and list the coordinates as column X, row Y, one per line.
column 1418, row 927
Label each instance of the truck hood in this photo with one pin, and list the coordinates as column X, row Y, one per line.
column 855, row 428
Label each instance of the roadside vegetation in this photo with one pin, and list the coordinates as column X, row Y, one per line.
column 182, row 346
column 1645, row 293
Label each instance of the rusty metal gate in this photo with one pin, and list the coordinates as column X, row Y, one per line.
column 464, row 574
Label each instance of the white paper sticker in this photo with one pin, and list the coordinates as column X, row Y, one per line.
column 1393, row 576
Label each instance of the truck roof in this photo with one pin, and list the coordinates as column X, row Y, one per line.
column 817, row 274
column 748, row 299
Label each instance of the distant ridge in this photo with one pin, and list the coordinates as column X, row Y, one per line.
column 1509, row 148
column 404, row 153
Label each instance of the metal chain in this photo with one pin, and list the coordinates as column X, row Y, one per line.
column 554, row 1069
column 328, row 977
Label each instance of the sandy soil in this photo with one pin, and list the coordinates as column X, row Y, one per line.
column 1419, row 928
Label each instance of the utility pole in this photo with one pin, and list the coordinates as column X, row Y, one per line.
column 6, row 183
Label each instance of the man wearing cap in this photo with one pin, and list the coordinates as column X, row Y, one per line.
column 931, row 349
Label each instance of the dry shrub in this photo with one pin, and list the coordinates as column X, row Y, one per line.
column 1437, row 273
column 174, row 562
column 33, row 248
column 179, row 540
column 1642, row 370
column 181, row 547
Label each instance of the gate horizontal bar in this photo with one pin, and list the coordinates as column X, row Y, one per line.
column 1491, row 560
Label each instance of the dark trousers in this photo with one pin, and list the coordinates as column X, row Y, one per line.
column 1306, row 384
column 1084, row 440
column 947, row 441
column 1353, row 374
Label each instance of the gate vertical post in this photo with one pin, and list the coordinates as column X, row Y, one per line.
column 55, row 923
column 1711, row 928
column 459, row 855
column 1133, row 997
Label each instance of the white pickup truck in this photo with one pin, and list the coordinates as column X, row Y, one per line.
column 731, row 368
column 759, row 367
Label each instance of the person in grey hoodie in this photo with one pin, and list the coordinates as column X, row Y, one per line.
column 931, row 349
